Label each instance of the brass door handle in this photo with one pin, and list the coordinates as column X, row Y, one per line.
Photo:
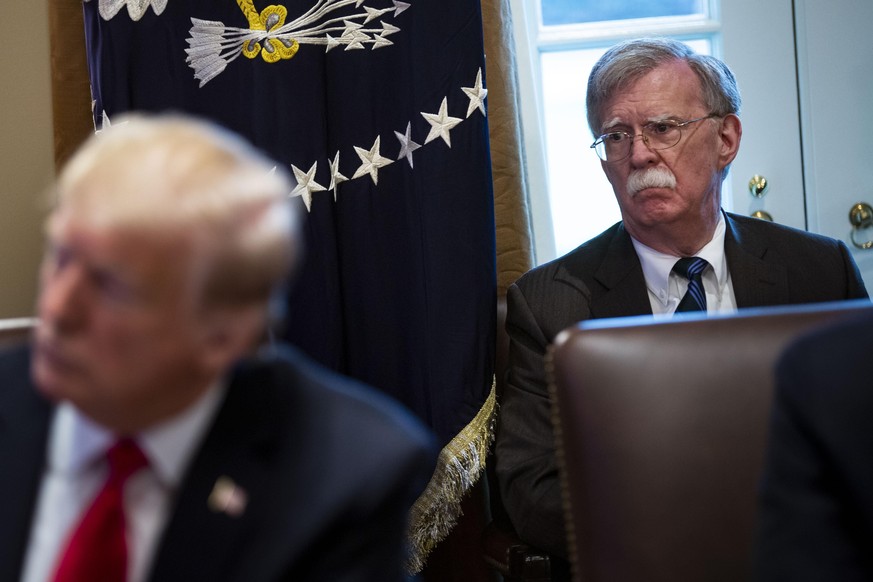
column 763, row 215
column 758, row 186
column 861, row 217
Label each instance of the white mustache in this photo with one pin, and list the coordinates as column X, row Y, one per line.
column 651, row 178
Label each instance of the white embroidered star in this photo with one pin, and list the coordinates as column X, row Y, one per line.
column 306, row 184
column 441, row 123
column 407, row 146
column 371, row 161
column 400, row 7
column 335, row 177
column 477, row 95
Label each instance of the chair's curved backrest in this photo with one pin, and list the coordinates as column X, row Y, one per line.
column 661, row 428
column 14, row 331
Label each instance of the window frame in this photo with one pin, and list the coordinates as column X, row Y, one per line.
column 532, row 39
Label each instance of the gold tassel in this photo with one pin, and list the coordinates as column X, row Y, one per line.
column 459, row 466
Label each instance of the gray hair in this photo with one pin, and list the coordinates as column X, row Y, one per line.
column 630, row 60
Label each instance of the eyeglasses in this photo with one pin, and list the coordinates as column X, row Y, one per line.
column 657, row 135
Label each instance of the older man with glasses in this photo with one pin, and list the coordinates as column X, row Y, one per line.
column 667, row 127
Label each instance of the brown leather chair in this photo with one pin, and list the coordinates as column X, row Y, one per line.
column 14, row 331
column 661, row 426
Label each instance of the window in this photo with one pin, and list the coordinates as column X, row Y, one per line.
column 557, row 42
column 558, row 12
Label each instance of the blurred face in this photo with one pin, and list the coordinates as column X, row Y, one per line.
column 119, row 333
column 676, row 189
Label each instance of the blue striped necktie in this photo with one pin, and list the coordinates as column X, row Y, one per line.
column 695, row 298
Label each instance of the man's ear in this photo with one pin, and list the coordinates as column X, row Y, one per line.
column 229, row 333
column 730, row 134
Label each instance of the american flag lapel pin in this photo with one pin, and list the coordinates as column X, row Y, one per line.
column 227, row 497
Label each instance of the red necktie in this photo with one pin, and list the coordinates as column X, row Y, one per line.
column 98, row 549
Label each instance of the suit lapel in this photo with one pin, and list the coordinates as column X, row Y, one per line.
column 202, row 538
column 24, row 421
column 756, row 281
column 621, row 275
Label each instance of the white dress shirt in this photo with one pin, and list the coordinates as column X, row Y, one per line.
column 77, row 468
column 667, row 288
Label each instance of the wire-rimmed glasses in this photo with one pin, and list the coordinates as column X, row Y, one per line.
column 657, row 135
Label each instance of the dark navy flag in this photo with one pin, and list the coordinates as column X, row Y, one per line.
column 378, row 109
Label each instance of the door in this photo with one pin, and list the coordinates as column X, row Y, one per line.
column 758, row 45
column 806, row 76
column 835, row 57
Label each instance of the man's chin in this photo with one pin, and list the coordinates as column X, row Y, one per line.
column 52, row 381
column 47, row 385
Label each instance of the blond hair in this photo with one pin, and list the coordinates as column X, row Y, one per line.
column 182, row 175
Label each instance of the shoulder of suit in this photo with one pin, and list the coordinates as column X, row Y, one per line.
column 18, row 395
column 300, row 382
column 774, row 231
column 584, row 258
column 748, row 223
column 13, row 356
column 15, row 366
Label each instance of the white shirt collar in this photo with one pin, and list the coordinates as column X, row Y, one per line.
column 658, row 266
column 76, row 442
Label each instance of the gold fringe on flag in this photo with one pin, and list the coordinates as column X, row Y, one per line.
column 459, row 466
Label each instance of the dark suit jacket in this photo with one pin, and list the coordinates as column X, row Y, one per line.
column 817, row 496
column 330, row 468
column 769, row 264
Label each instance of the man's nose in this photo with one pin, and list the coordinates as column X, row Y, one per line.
column 61, row 299
column 641, row 153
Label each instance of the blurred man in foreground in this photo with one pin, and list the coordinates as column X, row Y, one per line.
column 145, row 434
column 816, row 502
